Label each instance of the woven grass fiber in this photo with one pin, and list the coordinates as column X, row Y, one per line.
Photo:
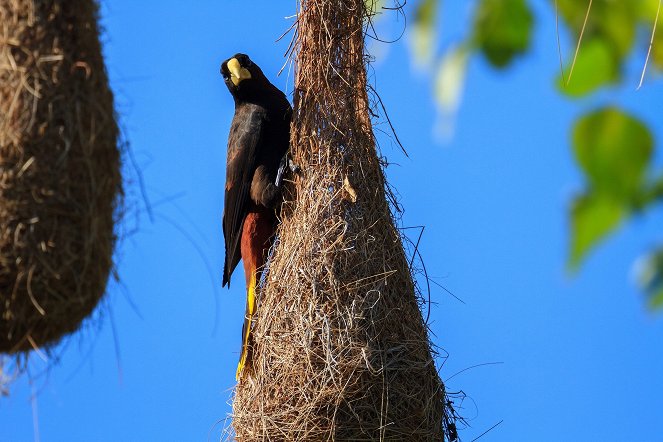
column 340, row 348
column 60, row 183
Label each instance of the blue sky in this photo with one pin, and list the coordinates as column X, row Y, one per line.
column 580, row 357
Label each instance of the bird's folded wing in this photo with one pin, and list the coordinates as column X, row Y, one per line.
column 244, row 144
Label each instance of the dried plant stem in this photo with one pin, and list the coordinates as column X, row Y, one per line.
column 582, row 32
column 651, row 44
column 559, row 43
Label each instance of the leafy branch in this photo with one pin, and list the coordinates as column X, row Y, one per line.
column 613, row 148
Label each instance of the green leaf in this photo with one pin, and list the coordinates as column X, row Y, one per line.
column 647, row 10
column 657, row 48
column 374, row 7
column 502, row 30
column 656, row 300
column 614, row 150
column 613, row 21
column 592, row 219
column 423, row 31
column 595, row 66
column 650, row 278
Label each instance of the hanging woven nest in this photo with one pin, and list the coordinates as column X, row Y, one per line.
column 60, row 182
column 340, row 348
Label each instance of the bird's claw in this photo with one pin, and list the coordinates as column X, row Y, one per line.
column 286, row 162
column 294, row 168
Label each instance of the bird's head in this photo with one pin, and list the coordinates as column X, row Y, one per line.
column 242, row 76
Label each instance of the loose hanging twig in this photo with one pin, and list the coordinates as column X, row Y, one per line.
column 582, row 32
column 559, row 45
column 651, row 43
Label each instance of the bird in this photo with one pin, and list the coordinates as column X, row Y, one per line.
column 258, row 143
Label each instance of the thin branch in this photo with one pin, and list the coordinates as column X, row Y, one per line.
column 203, row 257
column 448, row 291
column 559, row 44
column 582, row 32
column 116, row 344
column 651, row 43
column 470, row 368
column 141, row 181
column 35, row 412
column 386, row 115
column 485, row 432
column 416, row 246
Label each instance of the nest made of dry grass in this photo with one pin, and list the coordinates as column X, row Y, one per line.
column 60, row 180
column 340, row 348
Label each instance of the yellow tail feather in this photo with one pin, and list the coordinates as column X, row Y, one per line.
column 246, row 329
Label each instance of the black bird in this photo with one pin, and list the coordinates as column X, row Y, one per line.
column 258, row 141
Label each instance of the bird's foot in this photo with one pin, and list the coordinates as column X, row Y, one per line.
column 294, row 168
column 286, row 163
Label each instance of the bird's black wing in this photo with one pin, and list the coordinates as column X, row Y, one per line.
column 244, row 144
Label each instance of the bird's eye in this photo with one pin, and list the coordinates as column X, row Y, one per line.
column 225, row 75
column 248, row 62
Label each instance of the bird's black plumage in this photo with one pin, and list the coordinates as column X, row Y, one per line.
column 258, row 140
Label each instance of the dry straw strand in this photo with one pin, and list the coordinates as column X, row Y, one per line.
column 60, row 183
column 340, row 348
column 582, row 33
column 651, row 44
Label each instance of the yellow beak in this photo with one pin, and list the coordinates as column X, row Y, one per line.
column 237, row 72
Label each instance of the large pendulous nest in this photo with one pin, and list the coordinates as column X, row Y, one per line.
column 340, row 348
column 60, row 182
